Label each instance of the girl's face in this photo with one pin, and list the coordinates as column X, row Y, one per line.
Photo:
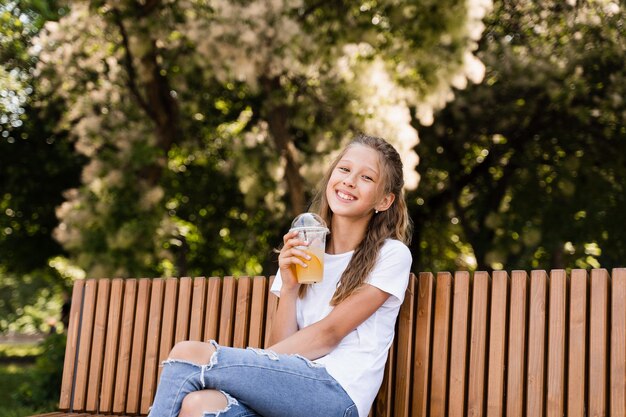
column 355, row 187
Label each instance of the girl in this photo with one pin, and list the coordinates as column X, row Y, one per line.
column 329, row 340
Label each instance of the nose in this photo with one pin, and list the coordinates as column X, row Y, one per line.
column 348, row 181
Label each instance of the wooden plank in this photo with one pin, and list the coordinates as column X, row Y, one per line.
column 153, row 339
column 517, row 345
column 497, row 344
column 183, row 309
column 383, row 403
column 214, row 299
column 478, row 345
column 577, row 358
column 198, row 305
column 618, row 342
column 443, row 296
column 71, row 347
column 169, row 320
column 272, row 304
column 126, row 337
column 555, row 406
column 458, row 345
column 112, row 342
column 536, row 343
column 423, row 334
column 257, row 312
column 227, row 312
column 404, row 364
column 242, row 312
column 598, row 336
column 84, row 352
column 97, row 345
column 139, row 346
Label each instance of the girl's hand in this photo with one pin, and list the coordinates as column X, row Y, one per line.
column 289, row 257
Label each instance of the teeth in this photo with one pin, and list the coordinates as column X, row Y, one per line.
column 344, row 196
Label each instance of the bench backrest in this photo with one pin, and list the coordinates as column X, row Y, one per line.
column 467, row 344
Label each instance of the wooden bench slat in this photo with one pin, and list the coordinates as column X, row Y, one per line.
column 404, row 367
column 382, row 406
column 126, row 336
column 242, row 312
column 111, row 348
column 421, row 369
column 138, row 347
column 198, row 303
column 212, row 315
column 555, row 406
column 478, row 345
column 168, row 331
column 443, row 296
column 71, row 346
column 536, row 343
column 618, row 342
column 517, row 345
column 183, row 309
column 84, row 352
column 598, row 335
column 257, row 312
column 153, row 339
column 497, row 344
column 227, row 312
column 97, row 345
column 577, row 358
column 272, row 303
column 458, row 344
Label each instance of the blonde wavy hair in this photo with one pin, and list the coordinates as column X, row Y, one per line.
column 393, row 223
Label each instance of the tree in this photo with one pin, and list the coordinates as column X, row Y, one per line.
column 527, row 169
column 37, row 162
column 253, row 93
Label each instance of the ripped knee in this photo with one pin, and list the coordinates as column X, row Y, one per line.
column 206, row 403
column 192, row 351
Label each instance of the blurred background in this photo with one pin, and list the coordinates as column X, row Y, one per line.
column 180, row 137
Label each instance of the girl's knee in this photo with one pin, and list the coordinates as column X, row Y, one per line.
column 197, row 403
column 197, row 352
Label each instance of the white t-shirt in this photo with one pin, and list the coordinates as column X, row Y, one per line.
column 358, row 362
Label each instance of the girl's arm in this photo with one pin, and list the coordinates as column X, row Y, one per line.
column 284, row 323
column 320, row 338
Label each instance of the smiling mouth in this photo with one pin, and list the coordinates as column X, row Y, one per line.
column 344, row 196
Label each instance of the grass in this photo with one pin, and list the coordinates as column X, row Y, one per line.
column 18, row 374
column 11, row 377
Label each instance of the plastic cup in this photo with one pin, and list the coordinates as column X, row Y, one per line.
column 312, row 229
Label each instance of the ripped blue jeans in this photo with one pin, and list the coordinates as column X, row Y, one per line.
column 256, row 382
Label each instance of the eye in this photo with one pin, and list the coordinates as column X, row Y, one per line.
column 343, row 169
column 368, row 178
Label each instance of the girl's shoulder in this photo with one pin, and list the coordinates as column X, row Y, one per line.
column 393, row 248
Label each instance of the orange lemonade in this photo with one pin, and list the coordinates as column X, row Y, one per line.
column 315, row 270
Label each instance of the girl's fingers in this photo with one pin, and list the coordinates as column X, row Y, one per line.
column 292, row 260
column 289, row 235
column 294, row 252
column 296, row 242
column 300, row 254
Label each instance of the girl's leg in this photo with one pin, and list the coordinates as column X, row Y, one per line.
column 209, row 402
column 270, row 384
column 180, row 376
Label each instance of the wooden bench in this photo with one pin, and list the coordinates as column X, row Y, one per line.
column 525, row 344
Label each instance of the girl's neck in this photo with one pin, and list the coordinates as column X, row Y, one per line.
column 346, row 234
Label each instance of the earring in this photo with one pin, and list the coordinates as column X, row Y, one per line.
column 376, row 212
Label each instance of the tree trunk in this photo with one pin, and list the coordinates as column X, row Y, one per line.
column 279, row 131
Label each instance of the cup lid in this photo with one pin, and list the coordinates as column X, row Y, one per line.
column 309, row 221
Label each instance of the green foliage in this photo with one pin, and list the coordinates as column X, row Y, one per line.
column 527, row 169
column 12, row 376
column 42, row 392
